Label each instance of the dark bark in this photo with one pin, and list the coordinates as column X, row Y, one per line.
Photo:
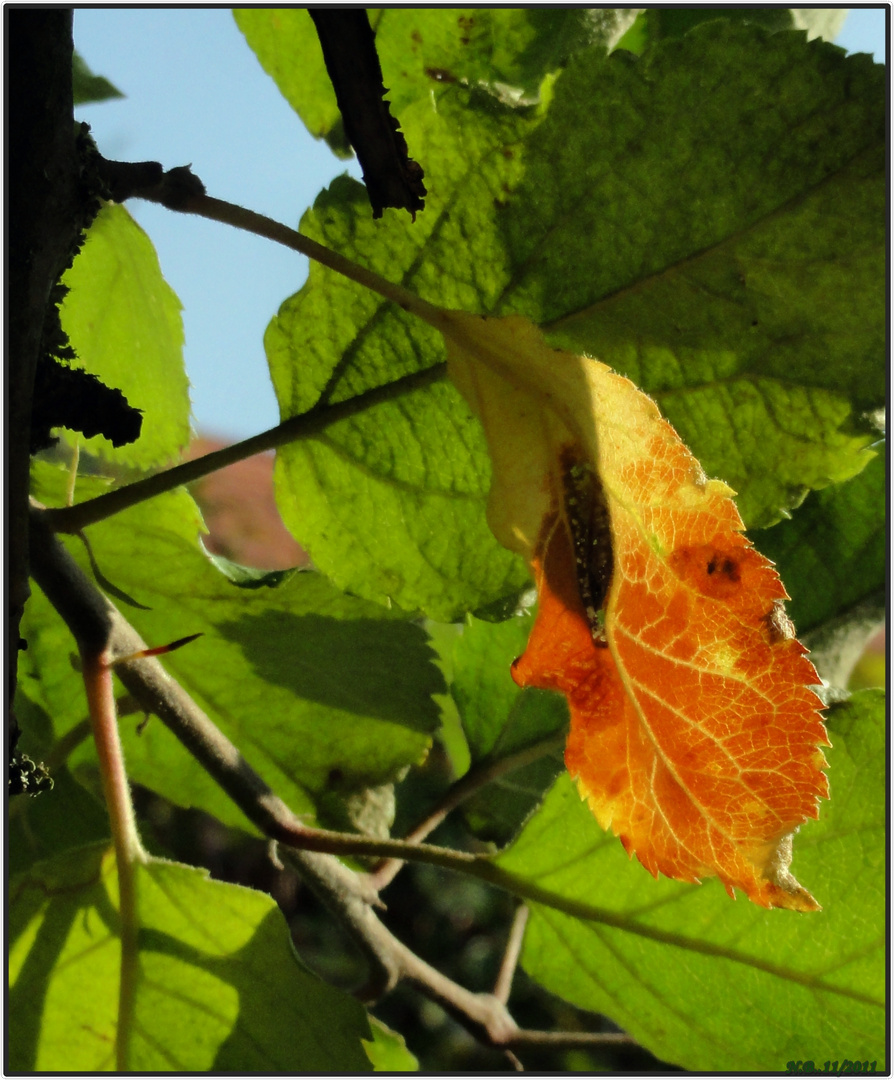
column 391, row 176
column 43, row 214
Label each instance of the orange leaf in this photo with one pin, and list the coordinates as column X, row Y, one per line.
column 694, row 734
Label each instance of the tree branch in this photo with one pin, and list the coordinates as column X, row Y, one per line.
column 96, row 624
column 503, row 985
column 391, row 176
column 43, row 225
column 93, row 619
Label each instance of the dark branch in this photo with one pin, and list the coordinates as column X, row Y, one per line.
column 391, row 176
column 43, row 227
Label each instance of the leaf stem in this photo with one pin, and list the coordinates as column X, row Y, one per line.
column 232, row 214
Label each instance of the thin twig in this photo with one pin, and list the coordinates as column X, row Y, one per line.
column 71, row 519
column 464, row 788
column 570, row 1040
column 62, row 749
column 503, row 985
column 513, row 1061
column 129, row 850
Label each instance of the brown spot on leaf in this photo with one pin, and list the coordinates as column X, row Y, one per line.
column 712, row 571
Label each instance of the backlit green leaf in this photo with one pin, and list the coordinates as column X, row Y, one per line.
column 500, row 722
column 123, row 320
column 89, row 87
column 718, row 240
column 422, row 50
column 388, row 1051
column 301, row 677
column 217, row 988
column 708, row 983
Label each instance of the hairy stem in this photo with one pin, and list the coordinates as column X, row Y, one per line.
column 129, row 852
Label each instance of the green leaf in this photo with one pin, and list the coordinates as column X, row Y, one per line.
column 123, row 320
column 740, row 282
column 216, row 986
column 388, row 1051
column 831, row 554
column 248, row 577
column 300, row 677
column 832, row 557
column 500, row 722
column 820, row 22
column 390, row 503
column 286, row 44
column 675, row 22
column 653, row 24
column 705, row 982
column 422, row 50
column 89, row 87
column 718, row 239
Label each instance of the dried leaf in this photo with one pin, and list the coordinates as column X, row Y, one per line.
column 694, row 734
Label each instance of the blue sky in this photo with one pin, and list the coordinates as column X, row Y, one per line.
column 197, row 95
